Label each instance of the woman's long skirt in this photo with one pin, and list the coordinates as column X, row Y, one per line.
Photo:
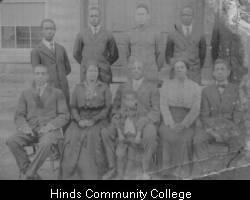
column 82, row 153
column 177, row 147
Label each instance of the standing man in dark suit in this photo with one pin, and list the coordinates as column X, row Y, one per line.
column 188, row 42
column 96, row 44
column 41, row 113
column 53, row 56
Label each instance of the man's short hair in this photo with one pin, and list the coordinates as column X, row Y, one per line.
column 132, row 61
column 143, row 5
column 48, row 20
column 187, row 7
column 179, row 59
column 222, row 61
column 97, row 8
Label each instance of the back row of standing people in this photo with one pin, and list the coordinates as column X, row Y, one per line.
column 144, row 42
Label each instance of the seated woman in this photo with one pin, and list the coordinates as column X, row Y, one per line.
column 180, row 106
column 220, row 142
column 90, row 105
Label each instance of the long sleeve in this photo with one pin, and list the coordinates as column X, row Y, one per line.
column 35, row 58
column 105, row 111
column 215, row 43
column 21, row 113
column 154, row 113
column 63, row 114
column 74, row 106
column 169, row 52
column 205, row 109
column 164, row 107
column 127, row 47
column 195, row 109
column 67, row 63
column 112, row 50
column 78, row 48
column 117, row 101
column 202, row 50
column 159, row 49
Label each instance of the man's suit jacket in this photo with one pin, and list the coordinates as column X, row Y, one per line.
column 148, row 97
column 224, row 105
column 58, row 65
column 100, row 48
column 191, row 48
column 54, row 109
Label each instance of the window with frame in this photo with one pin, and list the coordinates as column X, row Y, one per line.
column 20, row 24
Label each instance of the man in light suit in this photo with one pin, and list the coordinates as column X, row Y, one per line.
column 53, row 56
column 41, row 113
column 149, row 112
column 145, row 42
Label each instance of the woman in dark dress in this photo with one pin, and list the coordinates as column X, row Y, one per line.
column 90, row 104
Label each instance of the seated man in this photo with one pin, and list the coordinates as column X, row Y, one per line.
column 149, row 111
column 221, row 116
column 41, row 113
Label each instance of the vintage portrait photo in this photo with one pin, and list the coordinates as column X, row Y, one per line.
column 124, row 90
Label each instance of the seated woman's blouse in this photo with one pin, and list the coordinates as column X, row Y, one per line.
column 95, row 106
column 185, row 94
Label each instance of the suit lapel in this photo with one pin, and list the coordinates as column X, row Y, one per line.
column 45, row 50
column 46, row 94
column 96, row 36
column 183, row 38
column 216, row 96
column 227, row 92
column 57, row 51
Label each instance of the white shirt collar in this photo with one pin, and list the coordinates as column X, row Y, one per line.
column 47, row 44
column 137, row 84
column 42, row 88
column 97, row 28
column 184, row 28
column 222, row 83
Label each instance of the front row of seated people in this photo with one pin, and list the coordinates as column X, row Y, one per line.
column 180, row 122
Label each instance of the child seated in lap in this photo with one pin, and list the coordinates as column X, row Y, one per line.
column 129, row 134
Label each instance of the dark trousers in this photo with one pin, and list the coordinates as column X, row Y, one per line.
column 17, row 142
column 149, row 142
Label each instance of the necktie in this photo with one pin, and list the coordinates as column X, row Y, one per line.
column 95, row 31
column 187, row 31
column 39, row 91
column 221, row 88
column 52, row 47
column 38, row 99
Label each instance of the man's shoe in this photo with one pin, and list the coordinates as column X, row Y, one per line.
column 109, row 175
column 37, row 177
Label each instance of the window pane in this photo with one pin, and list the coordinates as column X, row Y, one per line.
column 8, row 37
column 22, row 13
column 23, row 37
column 35, row 35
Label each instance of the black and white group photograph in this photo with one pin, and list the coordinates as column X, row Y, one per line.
column 124, row 90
